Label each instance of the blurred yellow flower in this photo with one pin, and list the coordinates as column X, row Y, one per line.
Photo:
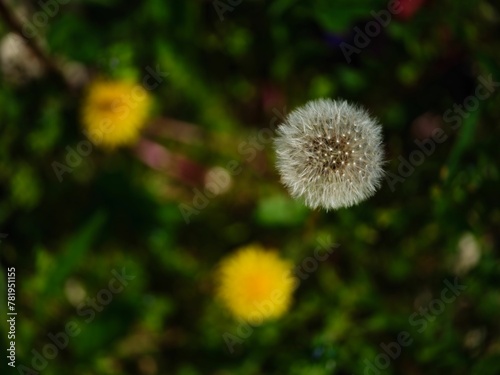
column 114, row 112
column 255, row 284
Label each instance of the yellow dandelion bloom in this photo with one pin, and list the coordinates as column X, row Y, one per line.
column 114, row 112
column 255, row 284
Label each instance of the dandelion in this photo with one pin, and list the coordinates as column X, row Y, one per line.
column 114, row 112
column 330, row 154
column 255, row 284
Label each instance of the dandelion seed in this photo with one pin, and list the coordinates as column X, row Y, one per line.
column 352, row 133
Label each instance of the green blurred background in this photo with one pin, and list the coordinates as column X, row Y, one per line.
column 234, row 68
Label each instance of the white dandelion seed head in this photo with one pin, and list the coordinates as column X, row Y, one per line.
column 330, row 154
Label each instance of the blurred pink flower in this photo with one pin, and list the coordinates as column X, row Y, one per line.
column 177, row 166
column 409, row 8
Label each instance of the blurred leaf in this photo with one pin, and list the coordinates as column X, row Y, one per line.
column 73, row 254
column 464, row 141
column 280, row 210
